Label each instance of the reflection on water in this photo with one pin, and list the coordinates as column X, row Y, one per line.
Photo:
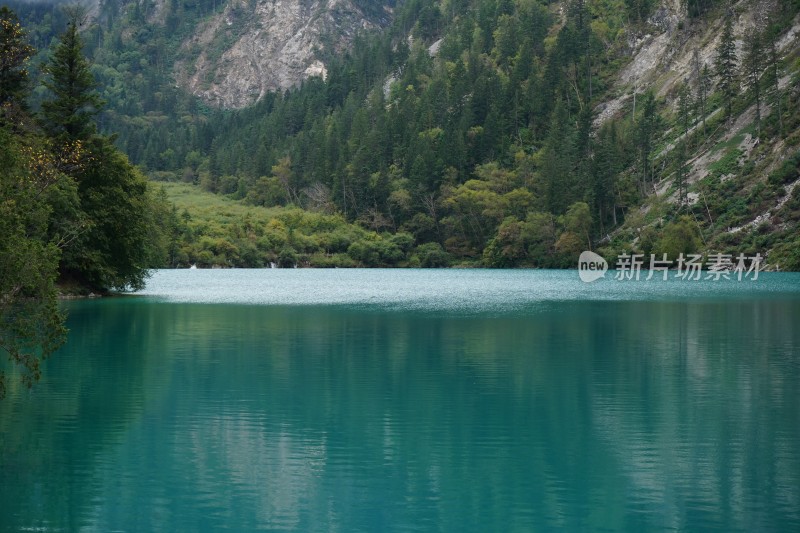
column 625, row 415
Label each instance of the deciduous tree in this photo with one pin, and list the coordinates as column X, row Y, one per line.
column 14, row 54
column 31, row 324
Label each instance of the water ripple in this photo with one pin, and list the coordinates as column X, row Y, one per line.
column 435, row 290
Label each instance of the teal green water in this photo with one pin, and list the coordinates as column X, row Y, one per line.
column 414, row 401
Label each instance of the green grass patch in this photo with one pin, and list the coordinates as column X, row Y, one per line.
column 727, row 164
column 216, row 231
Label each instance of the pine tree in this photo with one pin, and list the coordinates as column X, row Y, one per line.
column 75, row 102
column 684, row 108
column 681, row 171
column 703, row 88
column 772, row 67
column 604, row 174
column 725, row 66
column 695, row 8
column 646, row 129
column 557, row 170
column 681, row 150
column 638, row 10
column 752, row 68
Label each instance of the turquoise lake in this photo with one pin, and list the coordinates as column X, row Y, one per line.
column 413, row 400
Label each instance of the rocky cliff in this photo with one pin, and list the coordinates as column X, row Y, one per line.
column 251, row 47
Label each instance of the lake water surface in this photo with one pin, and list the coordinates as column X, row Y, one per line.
column 413, row 400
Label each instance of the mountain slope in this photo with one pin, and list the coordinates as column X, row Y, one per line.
column 505, row 132
column 742, row 175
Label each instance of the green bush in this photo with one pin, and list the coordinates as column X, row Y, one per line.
column 322, row 260
column 287, row 258
column 375, row 252
column 788, row 172
column 679, row 237
column 786, row 256
column 430, row 255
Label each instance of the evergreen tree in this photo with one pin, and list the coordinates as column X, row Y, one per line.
column 558, row 157
column 752, row 68
column 647, row 127
column 681, row 150
column 772, row 67
column 684, row 108
column 725, row 66
column 638, row 10
column 70, row 113
column 112, row 250
column 696, row 8
column 681, row 171
column 703, row 89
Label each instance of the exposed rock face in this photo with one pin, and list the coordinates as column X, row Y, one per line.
column 672, row 53
column 256, row 46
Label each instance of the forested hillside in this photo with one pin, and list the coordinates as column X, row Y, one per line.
column 492, row 132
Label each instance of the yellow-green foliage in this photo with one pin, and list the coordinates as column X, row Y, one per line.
column 215, row 231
